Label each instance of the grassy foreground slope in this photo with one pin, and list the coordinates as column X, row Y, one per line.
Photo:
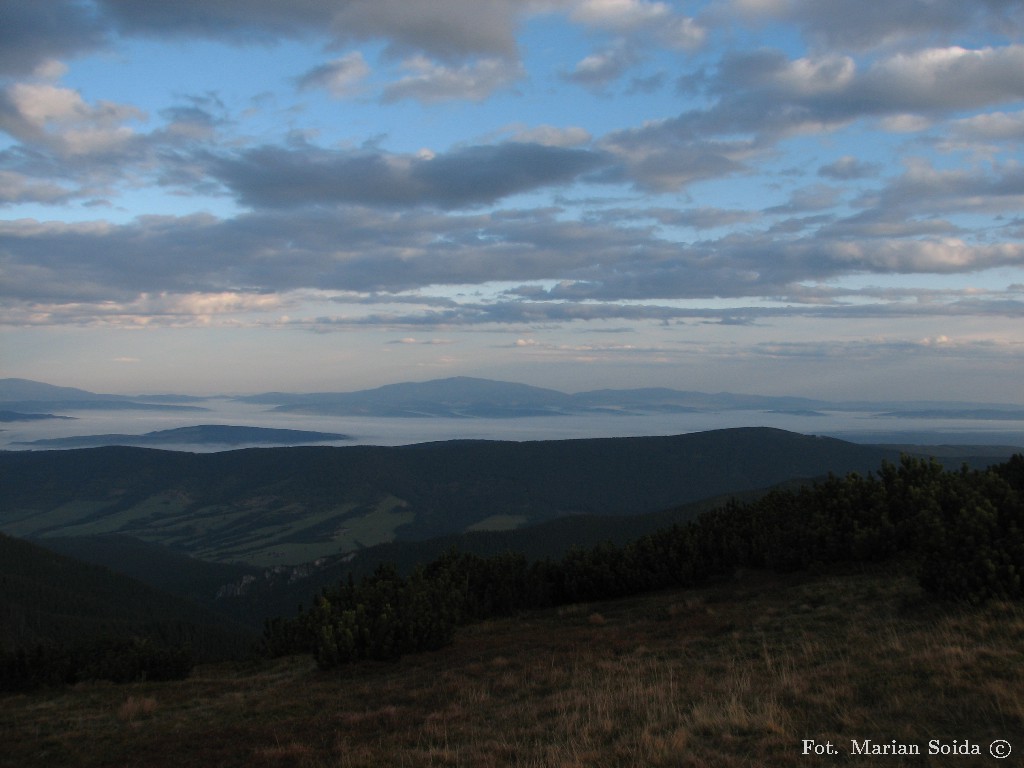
column 735, row 674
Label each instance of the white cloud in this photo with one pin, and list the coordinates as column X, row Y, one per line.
column 633, row 17
column 430, row 82
column 61, row 119
column 551, row 135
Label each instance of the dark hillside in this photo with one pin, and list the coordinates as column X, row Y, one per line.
column 160, row 567
column 47, row 598
column 293, row 505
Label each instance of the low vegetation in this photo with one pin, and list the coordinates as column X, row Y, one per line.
column 734, row 674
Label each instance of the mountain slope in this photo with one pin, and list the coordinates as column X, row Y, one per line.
column 292, row 505
column 459, row 396
column 25, row 395
column 50, row 598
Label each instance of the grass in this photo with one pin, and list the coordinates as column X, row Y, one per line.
column 375, row 527
column 733, row 675
column 499, row 523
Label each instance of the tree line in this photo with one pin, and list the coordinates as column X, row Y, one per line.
column 964, row 529
column 117, row 659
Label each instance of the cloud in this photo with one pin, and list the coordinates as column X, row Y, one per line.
column 599, row 69
column 856, row 25
column 18, row 188
column 60, row 119
column 924, row 188
column 848, row 168
column 640, row 17
column 268, row 253
column 550, row 135
column 430, row 82
column 382, row 236
column 829, row 91
column 275, row 177
column 34, row 33
column 446, row 29
column 764, row 97
column 409, row 340
column 341, row 77
column 667, row 155
column 637, row 25
column 992, row 127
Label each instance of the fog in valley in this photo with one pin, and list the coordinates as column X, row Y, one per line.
column 855, row 426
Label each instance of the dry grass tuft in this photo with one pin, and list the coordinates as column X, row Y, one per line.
column 136, row 707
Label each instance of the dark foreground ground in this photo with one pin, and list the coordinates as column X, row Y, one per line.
column 739, row 674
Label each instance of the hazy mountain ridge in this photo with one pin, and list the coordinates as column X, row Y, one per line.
column 202, row 434
column 25, row 395
column 466, row 397
column 12, row 416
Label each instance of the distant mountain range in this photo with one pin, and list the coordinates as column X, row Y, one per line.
column 467, row 397
column 201, row 435
column 22, row 397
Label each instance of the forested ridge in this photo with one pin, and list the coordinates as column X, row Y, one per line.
column 963, row 529
column 224, row 504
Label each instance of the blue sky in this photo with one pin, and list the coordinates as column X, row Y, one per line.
column 764, row 196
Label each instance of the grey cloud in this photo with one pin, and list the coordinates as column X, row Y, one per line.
column 648, row 84
column 848, row 168
column 669, row 155
column 18, row 188
column 764, row 96
column 814, row 198
column 341, row 77
column 997, row 126
column 34, row 32
column 442, row 28
column 697, row 218
column 355, row 249
column 278, row 178
column 598, row 70
column 922, row 188
column 601, row 271
column 769, row 90
column 859, row 25
column 365, row 250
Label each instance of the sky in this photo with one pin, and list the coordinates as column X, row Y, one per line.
column 820, row 198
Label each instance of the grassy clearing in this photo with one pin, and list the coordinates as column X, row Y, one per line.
column 376, row 527
column 728, row 676
column 27, row 522
column 499, row 523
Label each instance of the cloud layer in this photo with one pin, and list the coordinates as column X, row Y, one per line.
column 483, row 164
